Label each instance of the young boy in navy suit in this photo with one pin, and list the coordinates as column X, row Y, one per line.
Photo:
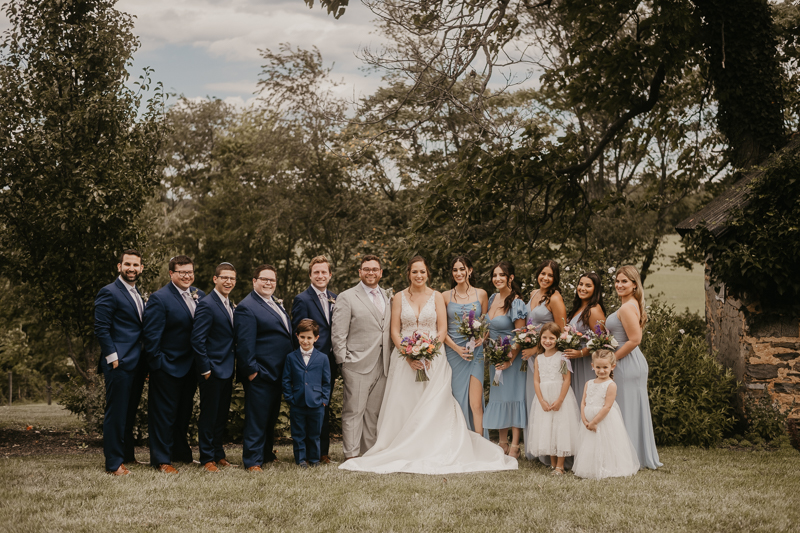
column 307, row 389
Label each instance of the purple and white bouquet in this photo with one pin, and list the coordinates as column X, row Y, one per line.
column 420, row 347
column 473, row 326
column 527, row 337
column 570, row 339
column 601, row 339
column 497, row 352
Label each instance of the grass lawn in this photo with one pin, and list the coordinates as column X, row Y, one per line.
column 696, row 490
column 676, row 286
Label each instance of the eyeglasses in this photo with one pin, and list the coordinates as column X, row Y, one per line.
column 267, row 281
column 226, row 278
column 370, row 270
column 184, row 273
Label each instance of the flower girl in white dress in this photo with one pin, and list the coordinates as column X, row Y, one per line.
column 606, row 449
column 556, row 418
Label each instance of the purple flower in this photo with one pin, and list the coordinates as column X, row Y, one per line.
column 471, row 316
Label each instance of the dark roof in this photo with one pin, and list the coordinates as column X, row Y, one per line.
column 714, row 216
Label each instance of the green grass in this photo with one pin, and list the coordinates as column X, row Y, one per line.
column 696, row 490
column 18, row 416
column 676, row 286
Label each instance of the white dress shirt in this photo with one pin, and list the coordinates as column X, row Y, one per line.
column 381, row 299
column 306, row 356
column 322, row 296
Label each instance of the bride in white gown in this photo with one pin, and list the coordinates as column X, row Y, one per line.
column 421, row 428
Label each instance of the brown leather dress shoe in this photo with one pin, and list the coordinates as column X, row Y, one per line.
column 210, row 467
column 167, row 469
column 121, row 471
column 254, row 469
column 224, row 462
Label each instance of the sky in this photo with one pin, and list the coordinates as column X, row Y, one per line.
column 209, row 48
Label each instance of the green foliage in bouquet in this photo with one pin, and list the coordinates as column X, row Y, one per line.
column 690, row 392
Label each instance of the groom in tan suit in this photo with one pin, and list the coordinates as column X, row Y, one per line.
column 362, row 346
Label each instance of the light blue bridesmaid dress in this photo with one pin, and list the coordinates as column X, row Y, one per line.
column 538, row 316
column 630, row 375
column 581, row 367
column 506, row 407
column 463, row 370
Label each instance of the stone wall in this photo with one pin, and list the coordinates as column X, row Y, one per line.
column 763, row 354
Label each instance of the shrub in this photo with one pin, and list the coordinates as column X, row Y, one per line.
column 765, row 421
column 690, row 392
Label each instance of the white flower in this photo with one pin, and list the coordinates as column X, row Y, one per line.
column 476, row 324
column 566, row 268
column 681, row 331
column 611, row 270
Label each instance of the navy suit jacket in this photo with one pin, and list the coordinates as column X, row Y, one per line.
column 307, row 305
column 117, row 326
column 262, row 341
column 212, row 337
column 307, row 386
column 168, row 331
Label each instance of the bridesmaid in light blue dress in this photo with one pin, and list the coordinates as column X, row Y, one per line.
column 546, row 305
column 587, row 310
column 631, row 372
column 506, row 407
column 467, row 376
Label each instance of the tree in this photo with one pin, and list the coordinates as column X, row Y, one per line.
column 76, row 161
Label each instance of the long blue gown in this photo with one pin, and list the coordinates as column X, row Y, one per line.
column 506, row 407
column 463, row 370
column 538, row 316
column 630, row 375
column 581, row 367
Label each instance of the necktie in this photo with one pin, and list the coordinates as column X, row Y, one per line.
column 278, row 310
column 324, row 302
column 138, row 301
column 377, row 300
column 228, row 307
column 189, row 302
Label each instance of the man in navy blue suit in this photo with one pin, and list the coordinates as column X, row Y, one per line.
column 316, row 303
column 168, row 323
column 263, row 340
column 307, row 389
column 118, row 311
column 213, row 343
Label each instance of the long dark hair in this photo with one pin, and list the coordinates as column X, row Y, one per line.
column 596, row 299
column 417, row 259
column 464, row 260
column 508, row 270
column 554, row 287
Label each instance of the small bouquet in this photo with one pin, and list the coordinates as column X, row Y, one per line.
column 570, row 339
column 601, row 339
column 527, row 337
column 420, row 347
column 497, row 352
column 472, row 326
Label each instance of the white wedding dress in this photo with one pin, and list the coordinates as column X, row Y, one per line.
column 421, row 428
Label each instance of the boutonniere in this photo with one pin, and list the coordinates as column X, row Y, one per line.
column 193, row 294
column 144, row 296
column 332, row 300
column 278, row 301
column 233, row 305
column 390, row 293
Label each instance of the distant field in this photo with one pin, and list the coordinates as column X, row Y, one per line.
column 676, row 286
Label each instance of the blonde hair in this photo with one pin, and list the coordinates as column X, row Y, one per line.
column 550, row 327
column 319, row 260
column 630, row 272
column 605, row 355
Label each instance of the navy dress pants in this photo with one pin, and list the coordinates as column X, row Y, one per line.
column 215, row 402
column 262, row 405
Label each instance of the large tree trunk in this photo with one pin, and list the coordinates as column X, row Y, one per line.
column 741, row 50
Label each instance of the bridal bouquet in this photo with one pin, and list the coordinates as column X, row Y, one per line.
column 570, row 339
column 420, row 347
column 472, row 326
column 527, row 337
column 497, row 352
column 601, row 339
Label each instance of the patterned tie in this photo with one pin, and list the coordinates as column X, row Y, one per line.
column 228, row 307
column 324, row 302
column 189, row 302
column 377, row 300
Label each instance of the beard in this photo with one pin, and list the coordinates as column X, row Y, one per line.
column 131, row 276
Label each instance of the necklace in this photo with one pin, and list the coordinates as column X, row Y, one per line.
column 455, row 291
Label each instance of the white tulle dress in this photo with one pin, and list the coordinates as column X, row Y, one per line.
column 607, row 452
column 421, row 428
column 553, row 432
